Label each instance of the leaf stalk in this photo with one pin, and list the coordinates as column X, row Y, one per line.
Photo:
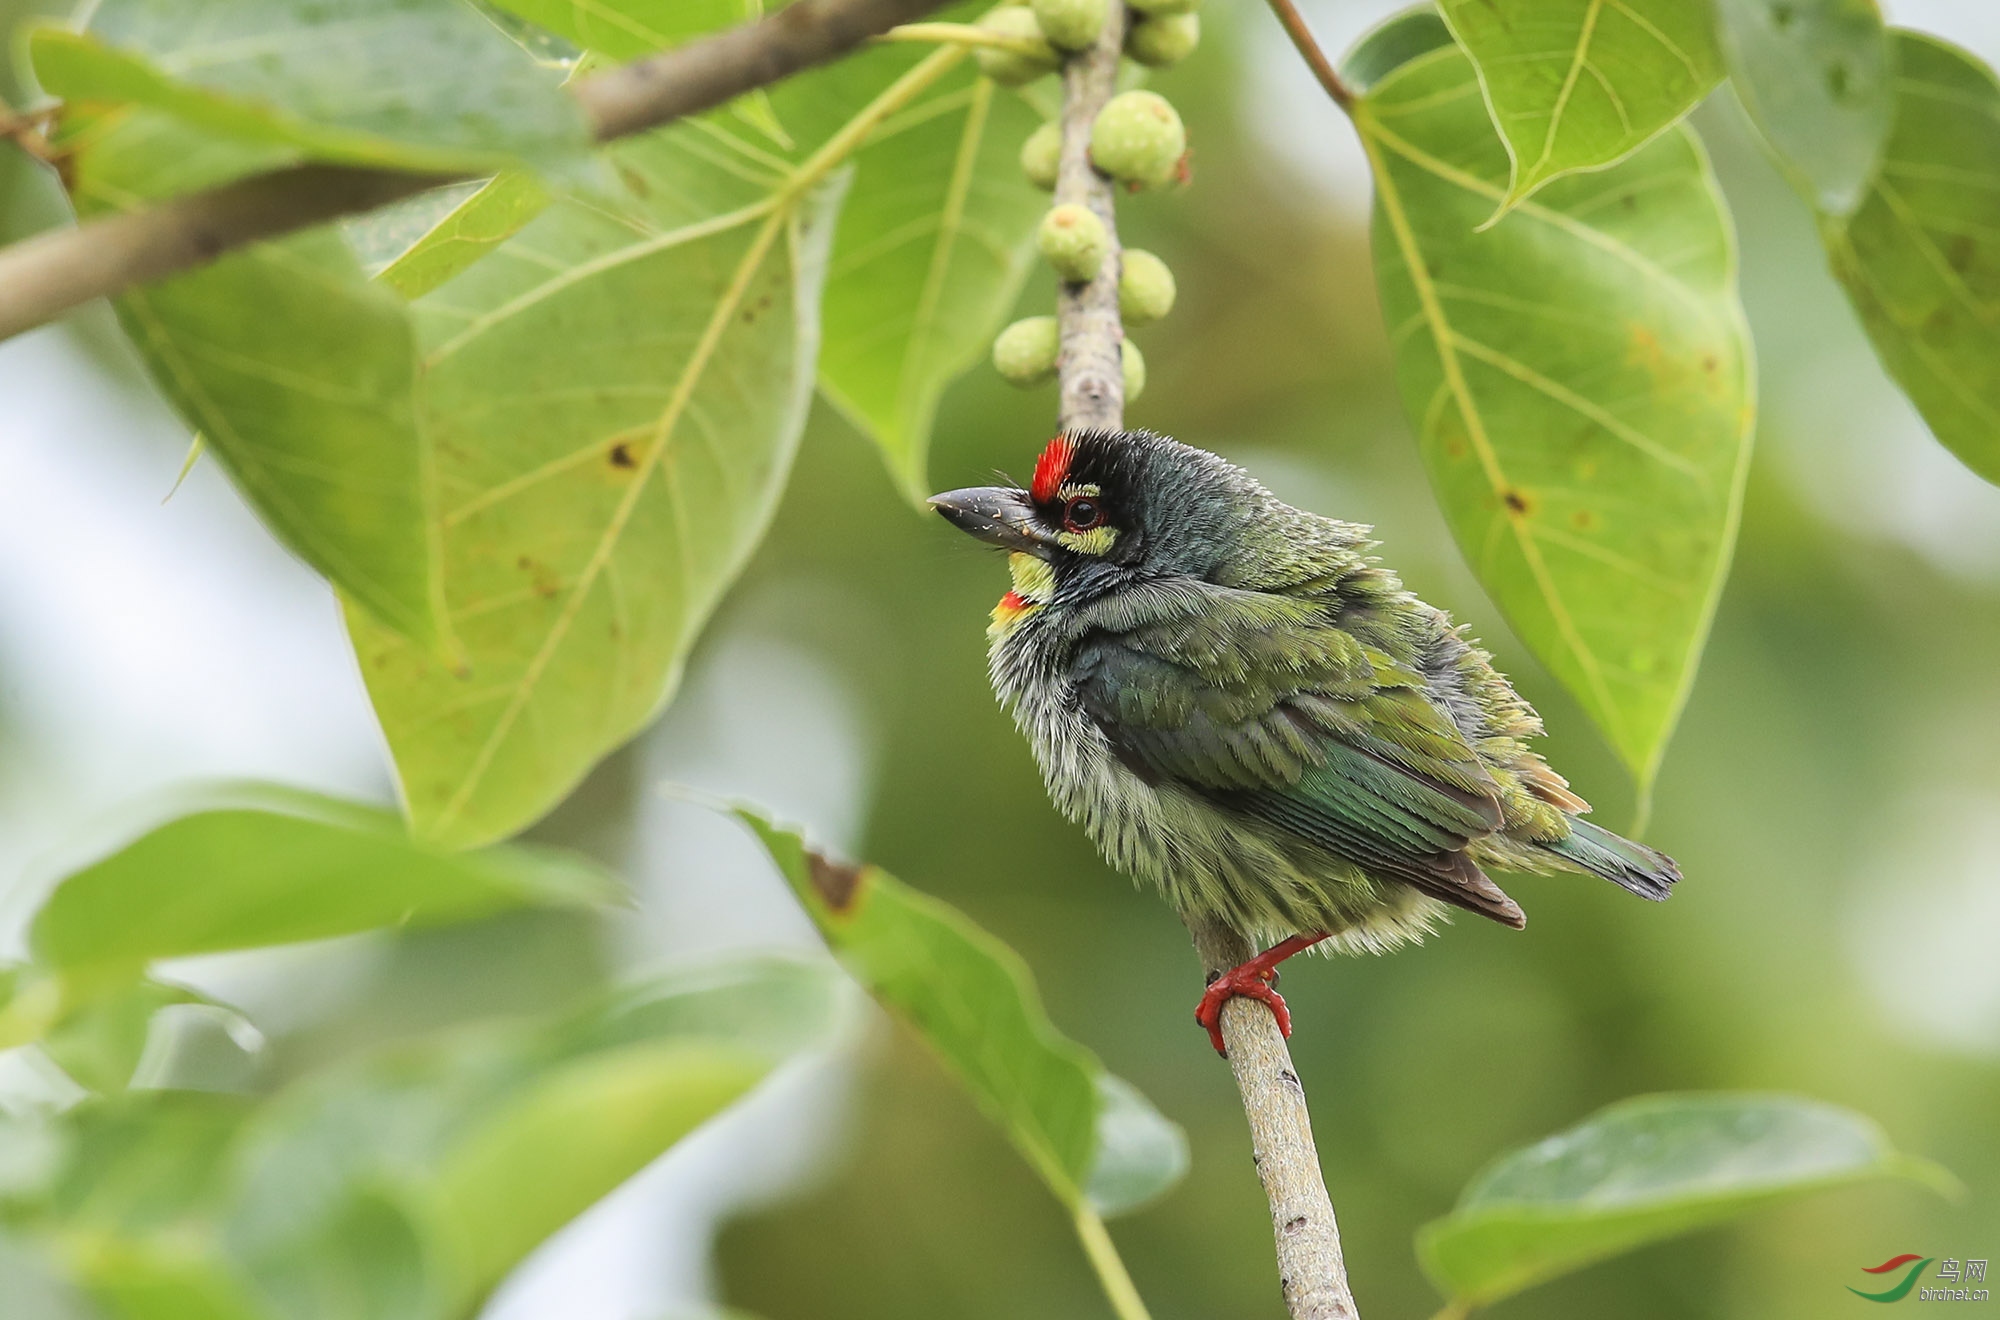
column 1110, row 1267
column 1309, row 50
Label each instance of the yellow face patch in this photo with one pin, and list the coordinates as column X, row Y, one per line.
column 1034, row 582
column 1093, row 542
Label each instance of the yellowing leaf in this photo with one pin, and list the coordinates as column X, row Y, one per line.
column 1580, row 380
column 612, row 400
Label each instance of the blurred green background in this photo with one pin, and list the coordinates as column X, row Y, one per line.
column 1833, row 797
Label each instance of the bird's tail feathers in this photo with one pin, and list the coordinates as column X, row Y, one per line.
column 1631, row 866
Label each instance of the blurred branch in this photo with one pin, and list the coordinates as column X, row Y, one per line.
column 1311, row 1271
column 44, row 276
column 1308, row 47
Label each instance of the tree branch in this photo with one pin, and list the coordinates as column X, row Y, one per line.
column 1090, row 367
column 1311, row 1272
column 44, row 276
column 1091, row 373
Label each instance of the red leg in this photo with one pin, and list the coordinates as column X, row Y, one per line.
column 1252, row 980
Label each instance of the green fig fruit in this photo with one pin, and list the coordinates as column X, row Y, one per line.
column 1134, row 364
column 1071, row 24
column 1145, row 287
column 1074, row 241
column 1160, row 40
column 1012, row 68
column 1025, row 352
column 1041, row 155
column 1138, row 138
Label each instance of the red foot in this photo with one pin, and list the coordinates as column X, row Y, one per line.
column 1251, row 980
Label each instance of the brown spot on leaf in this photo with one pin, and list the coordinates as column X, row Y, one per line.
column 1710, row 363
column 635, row 181
column 621, row 456
column 1516, row 501
column 836, row 882
column 545, row 581
column 1584, row 519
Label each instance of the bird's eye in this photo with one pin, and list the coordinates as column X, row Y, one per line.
column 1082, row 514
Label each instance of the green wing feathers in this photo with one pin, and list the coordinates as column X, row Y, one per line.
column 1261, row 704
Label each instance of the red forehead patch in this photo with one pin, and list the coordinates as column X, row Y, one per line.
column 1051, row 468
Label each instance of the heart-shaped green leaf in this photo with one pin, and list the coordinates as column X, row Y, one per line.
column 1817, row 77
column 1094, row 1139
column 1920, row 256
column 1642, row 1170
column 1580, row 380
column 413, row 84
column 1578, row 84
column 612, row 397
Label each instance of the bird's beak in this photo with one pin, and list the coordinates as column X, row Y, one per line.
column 997, row 515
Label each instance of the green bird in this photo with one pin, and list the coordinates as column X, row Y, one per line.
column 1241, row 706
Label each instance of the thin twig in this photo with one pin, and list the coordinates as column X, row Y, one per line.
column 1308, row 47
column 44, row 276
column 1311, row 1272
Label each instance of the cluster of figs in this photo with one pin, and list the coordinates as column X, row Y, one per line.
column 1137, row 139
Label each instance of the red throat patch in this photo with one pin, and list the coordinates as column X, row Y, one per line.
column 1051, row 468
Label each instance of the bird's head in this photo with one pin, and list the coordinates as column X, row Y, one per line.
column 1110, row 507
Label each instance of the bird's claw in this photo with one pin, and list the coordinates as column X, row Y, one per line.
column 1251, row 982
